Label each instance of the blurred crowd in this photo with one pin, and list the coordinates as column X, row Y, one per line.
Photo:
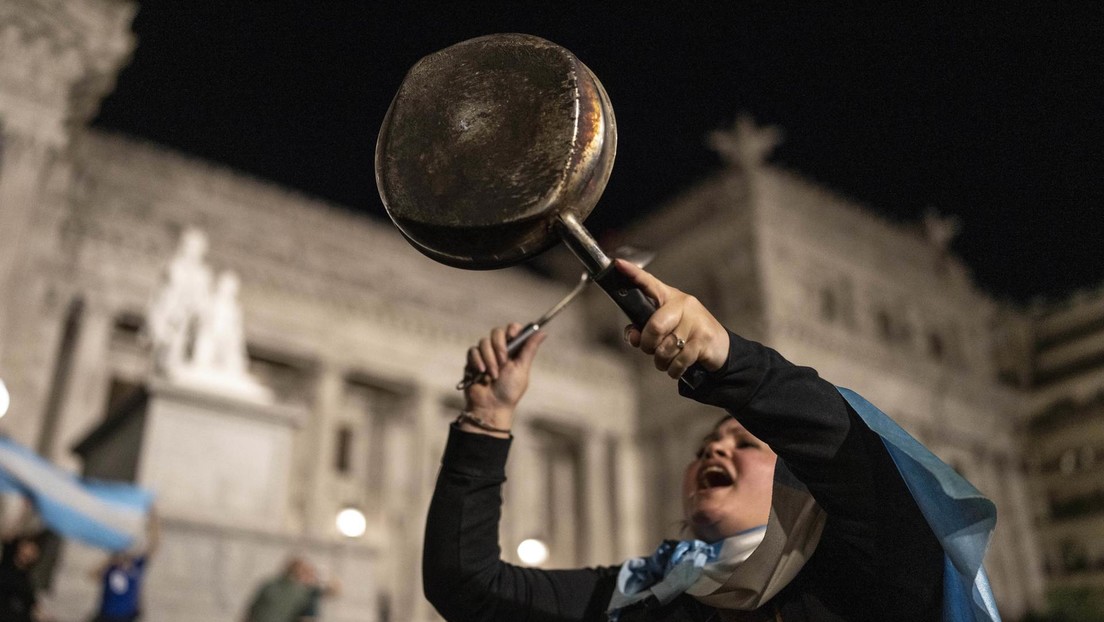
column 294, row 594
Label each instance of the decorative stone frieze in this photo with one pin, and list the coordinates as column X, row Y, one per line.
column 57, row 61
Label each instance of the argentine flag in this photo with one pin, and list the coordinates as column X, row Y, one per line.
column 961, row 518
column 103, row 514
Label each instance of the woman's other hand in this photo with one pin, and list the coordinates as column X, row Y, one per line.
column 494, row 399
column 681, row 332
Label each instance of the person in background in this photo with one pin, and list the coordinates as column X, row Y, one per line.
column 292, row 596
column 121, row 578
column 21, row 552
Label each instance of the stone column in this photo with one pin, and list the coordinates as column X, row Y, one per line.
column 32, row 342
column 563, row 478
column 629, row 497
column 428, row 425
column 320, row 440
column 85, row 391
column 599, row 500
column 399, row 419
column 23, row 163
column 525, row 495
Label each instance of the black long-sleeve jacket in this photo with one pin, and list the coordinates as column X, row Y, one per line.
column 877, row 558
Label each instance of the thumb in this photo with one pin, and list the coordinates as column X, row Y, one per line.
column 644, row 281
column 529, row 349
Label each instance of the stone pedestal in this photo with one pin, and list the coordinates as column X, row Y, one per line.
column 220, row 469
column 207, row 457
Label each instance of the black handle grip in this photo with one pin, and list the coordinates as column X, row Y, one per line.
column 639, row 308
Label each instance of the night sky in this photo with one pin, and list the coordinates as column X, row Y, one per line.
column 990, row 114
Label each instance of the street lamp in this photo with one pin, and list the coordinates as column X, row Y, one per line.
column 532, row 552
column 351, row 522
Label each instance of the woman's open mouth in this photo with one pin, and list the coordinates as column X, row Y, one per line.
column 714, row 476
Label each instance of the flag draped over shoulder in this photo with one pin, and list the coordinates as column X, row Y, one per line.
column 961, row 518
column 103, row 514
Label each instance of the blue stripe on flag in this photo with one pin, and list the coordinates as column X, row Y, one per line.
column 959, row 515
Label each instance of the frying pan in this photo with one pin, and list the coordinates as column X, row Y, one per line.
column 495, row 149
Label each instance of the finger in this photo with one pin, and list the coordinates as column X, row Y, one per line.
column 661, row 361
column 498, row 340
column 666, row 351
column 684, row 359
column 651, row 286
column 529, row 348
column 631, row 334
column 660, row 326
column 475, row 360
column 512, row 330
column 486, row 348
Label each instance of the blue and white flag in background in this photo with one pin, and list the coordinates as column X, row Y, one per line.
column 103, row 514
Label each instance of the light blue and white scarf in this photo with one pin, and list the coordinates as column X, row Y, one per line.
column 676, row 566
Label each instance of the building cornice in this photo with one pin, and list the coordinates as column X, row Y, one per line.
column 58, row 59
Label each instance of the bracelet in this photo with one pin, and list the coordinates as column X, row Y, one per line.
column 477, row 422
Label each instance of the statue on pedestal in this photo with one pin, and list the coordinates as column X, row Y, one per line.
column 172, row 321
column 196, row 330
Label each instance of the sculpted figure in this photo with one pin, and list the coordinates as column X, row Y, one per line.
column 173, row 318
column 220, row 342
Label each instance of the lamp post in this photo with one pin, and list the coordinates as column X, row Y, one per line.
column 5, row 399
column 532, row 552
column 351, row 522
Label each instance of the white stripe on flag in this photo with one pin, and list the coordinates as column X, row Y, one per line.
column 46, row 479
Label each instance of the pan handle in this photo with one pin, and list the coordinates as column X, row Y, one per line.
column 639, row 308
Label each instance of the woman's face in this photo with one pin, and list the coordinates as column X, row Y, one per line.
column 727, row 488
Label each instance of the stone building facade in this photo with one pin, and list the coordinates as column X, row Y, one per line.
column 1059, row 360
column 362, row 340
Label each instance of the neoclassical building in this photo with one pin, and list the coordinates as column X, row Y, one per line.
column 361, row 340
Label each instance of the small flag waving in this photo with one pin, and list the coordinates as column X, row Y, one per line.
column 103, row 514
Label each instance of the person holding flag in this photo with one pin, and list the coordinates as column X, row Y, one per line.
column 108, row 515
column 121, row 577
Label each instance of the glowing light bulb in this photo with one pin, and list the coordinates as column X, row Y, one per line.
column 532, row 552
column 5, row 399
column 351, row 523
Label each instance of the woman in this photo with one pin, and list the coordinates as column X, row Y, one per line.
column 763, row 549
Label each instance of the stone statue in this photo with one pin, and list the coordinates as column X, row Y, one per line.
column 940, row 230
column 746, row 144
column 220, row 343
column 196, row 331
column 172, row 321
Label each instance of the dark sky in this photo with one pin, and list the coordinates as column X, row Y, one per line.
column 988, row 113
